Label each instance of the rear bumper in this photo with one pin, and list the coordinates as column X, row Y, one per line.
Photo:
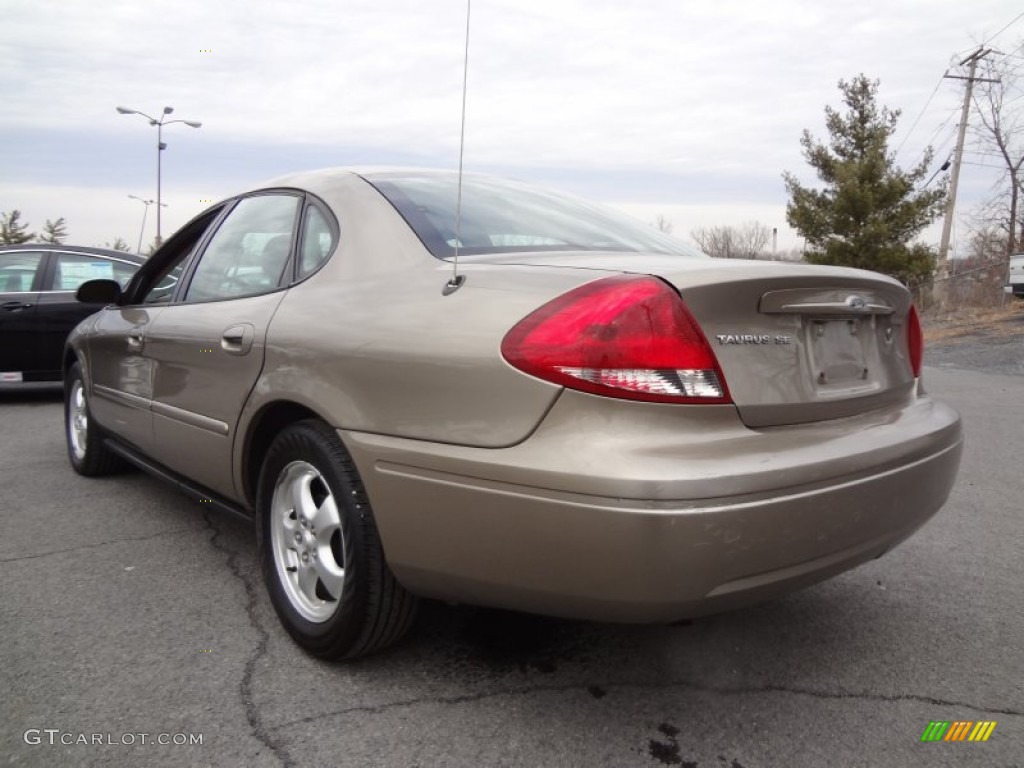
column 641, row 513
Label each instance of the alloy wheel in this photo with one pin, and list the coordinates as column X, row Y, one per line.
column 307, row 541
column 78, row 420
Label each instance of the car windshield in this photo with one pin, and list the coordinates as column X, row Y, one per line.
column 503, row 216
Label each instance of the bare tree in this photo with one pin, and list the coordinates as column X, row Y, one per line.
column 1002, row 128
column 754, row 238
column 977, row 279
column 986, row 246
column 747, row 241
column 663, row 224
column 714, row 241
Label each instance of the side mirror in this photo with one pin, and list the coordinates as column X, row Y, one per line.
column 99, row 292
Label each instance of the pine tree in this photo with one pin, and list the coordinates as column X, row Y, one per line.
column 12, row 232
column 869, row 210
column 54, row 231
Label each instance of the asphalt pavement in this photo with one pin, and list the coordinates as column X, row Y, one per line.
column 992, row 345
column 130, row 615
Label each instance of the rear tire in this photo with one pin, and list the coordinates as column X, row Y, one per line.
column 321, row 556
column 88, row 455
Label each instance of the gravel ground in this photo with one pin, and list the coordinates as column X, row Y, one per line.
column 991, row 343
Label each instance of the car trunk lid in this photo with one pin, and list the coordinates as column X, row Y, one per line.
column 797, row 349
column 796, row 343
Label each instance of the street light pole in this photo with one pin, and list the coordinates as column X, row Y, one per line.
column 159, row 155
column 160, row 147
column 147, row 203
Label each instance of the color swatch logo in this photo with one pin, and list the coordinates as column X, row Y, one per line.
column 958, row 730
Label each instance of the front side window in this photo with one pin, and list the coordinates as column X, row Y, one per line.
column 163, row 289
column 18, row 270
column 73, row 269
column 502, row 216
column 249, row 251
column 157, row 280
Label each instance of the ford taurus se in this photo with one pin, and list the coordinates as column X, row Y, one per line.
column 531, row 403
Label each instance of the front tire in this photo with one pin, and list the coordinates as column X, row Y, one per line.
column 88, row 455
column 319, row 549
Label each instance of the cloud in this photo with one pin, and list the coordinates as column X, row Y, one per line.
column 710, row 96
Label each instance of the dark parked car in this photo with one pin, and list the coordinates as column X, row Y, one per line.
column 588, row 419
column 37, row 302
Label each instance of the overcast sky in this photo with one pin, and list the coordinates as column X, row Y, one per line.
column 691, row 110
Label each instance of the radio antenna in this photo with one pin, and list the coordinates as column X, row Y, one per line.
column 457, row 280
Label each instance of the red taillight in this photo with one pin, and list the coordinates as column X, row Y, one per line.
column 623, row 336
column 915, row 340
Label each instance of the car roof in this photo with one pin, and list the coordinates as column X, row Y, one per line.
column 320, row 181
column 105, row 252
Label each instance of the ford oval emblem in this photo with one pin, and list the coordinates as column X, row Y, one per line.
column 856, row 302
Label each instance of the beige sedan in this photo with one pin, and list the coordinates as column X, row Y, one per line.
column 535, row 404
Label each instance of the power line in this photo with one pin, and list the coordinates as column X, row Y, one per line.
column 983, row 165
column 980, row 165
column 943, row 124
column 935, row 90
column 936, row 150
column 1009, row 24
column 938, row 170
column 944, row 167
column 919, row 116
column 997, row 34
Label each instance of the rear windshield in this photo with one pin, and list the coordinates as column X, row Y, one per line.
column 503, row 216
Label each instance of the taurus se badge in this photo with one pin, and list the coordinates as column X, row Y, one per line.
column 752, row 338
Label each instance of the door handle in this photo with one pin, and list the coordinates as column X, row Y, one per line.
column 15, row 306
column 237, row 340
column 135, row 342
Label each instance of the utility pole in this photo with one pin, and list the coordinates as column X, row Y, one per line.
column 954, row 178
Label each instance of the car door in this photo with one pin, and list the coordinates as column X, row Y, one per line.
column 58, row 311
column 120, row 374
column 21, row 274
column 207, row 348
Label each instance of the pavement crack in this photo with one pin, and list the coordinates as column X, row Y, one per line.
column 868, row 696
column 253, row 714
column 94, row 546
column 666, row 685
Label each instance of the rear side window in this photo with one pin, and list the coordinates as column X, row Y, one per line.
column 317, row 241
column 18, row 270
column 74, row 269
